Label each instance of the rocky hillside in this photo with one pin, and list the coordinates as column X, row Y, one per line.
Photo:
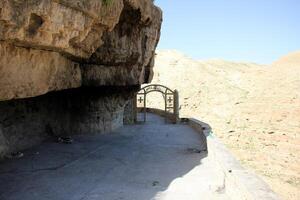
column 254, row 109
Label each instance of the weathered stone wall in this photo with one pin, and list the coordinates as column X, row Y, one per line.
column 26, row 122
column 28, row 72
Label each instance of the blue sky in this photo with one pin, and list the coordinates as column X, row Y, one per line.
column 258, row 31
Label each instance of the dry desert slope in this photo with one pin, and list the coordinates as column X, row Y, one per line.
column 254, row 109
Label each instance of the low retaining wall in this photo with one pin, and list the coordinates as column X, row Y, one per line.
column 169, row 116
column 240, row 184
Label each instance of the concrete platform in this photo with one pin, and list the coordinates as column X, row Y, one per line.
column 139, row 162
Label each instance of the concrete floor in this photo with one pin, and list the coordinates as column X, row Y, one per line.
column 139, row 162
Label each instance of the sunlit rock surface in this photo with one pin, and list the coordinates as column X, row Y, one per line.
column 42, row 41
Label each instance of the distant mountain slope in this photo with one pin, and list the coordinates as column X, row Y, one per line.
column 254, row 109
column 292, row 59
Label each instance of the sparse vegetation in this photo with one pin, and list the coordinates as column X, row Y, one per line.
column 107, row 2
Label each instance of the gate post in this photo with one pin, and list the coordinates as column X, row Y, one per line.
column 135, row 109
column 176, row 106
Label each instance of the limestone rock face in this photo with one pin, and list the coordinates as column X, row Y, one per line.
column 49, row 45
column 128, row 49
column 72, row 27
column 29, row 72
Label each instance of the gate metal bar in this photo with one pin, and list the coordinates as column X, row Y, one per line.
column 171, row 103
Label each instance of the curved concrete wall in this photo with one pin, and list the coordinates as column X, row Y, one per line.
column 240, row 183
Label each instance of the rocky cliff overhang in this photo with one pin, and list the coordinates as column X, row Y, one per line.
column 71, row 66
column 51, row 45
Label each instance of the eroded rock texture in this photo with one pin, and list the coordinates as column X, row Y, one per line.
column 29, row 72
column 98, row 52
column 73, row 27
column 26, row 122
column 128, row 50
column 114, row 42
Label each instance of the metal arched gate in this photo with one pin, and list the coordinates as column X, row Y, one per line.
column 170, row 99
